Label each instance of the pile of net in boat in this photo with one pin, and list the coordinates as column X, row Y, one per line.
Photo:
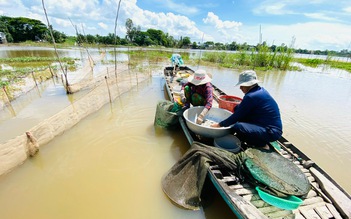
column 265, row 168
column 166, row 114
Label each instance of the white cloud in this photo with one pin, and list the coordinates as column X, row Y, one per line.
column 275, row 8
column 12, row 8
column 4, row 3
column 219, row 24
column 311, row 35
column 320, row 16
column 348, row 9
column 178, row 7
column 98, row 17
column 221, row 31
column 174, row 25
column 103, row 25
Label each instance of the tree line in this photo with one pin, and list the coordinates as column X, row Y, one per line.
column 20, row 29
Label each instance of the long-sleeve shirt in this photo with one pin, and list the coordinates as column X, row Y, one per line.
column 205, row 90
column 257, row 107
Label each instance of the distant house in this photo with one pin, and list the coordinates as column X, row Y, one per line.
column 2, row 38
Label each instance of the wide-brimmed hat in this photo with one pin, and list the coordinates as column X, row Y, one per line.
column 199, row 77
column 247, row 78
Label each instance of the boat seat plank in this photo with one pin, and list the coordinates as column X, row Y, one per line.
column 243, row 207
column 340, row 200
column 308, row 174
column 298, row 215
column 333, row 211
column 313, row 200
column 311, row 178
column 324, row 212
column 240, row 186
column 245, row 191
column 309, row 211
column 287, row 156
column 271, row 209
column 251, row 197
column 310, row 214
column 227, row 179
column 281, row 214
column 259, row 203
column 311, row 194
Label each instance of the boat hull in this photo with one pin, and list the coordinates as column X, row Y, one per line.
column 327, row 199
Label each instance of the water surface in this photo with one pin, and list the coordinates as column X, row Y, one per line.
column 110, row 165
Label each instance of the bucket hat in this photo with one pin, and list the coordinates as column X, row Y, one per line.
column 247, row 78
column 199, row 77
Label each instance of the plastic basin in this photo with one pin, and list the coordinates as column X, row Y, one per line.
column 214, row 114
column 290, row 203
column 229, row 102
column 229, row 143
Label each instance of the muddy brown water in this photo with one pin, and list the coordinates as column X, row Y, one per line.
column 110, row 165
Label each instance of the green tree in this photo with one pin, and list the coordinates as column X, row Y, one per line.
column 58, row 36
column 131, row 30
column 4, row 29
column 157, row 36
column 194, row 45
column 22, row 29
column 186, row 42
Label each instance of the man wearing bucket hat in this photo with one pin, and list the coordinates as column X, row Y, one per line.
column 256, row 120
column 198, row 91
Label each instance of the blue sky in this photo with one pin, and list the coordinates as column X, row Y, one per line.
column 308, row 24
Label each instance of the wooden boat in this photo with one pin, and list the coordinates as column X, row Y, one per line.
column 326, row 199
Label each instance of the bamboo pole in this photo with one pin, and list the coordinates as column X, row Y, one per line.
column 57, row 55
column 6, row 94
column 119, row 3
column 52, row 74
column 108, row 88
column 90, row 58
column 8, row 103
column 36, row 84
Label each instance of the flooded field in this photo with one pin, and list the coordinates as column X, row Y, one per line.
column 110, row 165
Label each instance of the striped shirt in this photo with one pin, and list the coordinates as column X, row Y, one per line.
column 205, row 90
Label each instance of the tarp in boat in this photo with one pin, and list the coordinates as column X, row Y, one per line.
column 184, row 181
column 177, row 59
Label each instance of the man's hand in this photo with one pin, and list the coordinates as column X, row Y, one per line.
column 215, row 125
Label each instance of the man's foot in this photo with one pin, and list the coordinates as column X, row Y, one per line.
column 266, row 147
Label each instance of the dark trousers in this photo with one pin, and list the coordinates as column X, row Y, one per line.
column 255, row 135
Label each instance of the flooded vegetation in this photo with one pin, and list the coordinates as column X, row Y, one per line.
column 264, row 58
column 112, row 161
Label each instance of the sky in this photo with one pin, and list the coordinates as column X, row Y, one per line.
column 302, row 24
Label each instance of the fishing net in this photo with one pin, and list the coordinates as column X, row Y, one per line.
column 101, row 91
column 184, row 181
column 166, row 114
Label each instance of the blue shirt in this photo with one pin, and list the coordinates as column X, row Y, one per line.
column 257, row 107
